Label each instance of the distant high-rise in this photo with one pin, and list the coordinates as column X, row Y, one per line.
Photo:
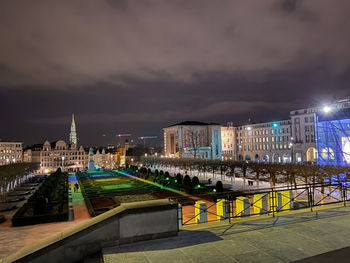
column 73, row 133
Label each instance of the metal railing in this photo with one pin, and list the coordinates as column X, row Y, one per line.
column 226, row 206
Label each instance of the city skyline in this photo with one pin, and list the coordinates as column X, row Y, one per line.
column 135, row 68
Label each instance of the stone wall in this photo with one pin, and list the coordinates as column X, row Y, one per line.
column 127, row 223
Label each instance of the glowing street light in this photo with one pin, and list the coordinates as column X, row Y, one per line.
column 327, row 109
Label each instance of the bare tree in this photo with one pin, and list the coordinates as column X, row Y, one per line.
column 194, row 141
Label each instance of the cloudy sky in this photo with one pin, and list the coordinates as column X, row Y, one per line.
column 137, row 66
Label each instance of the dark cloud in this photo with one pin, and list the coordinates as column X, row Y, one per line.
column 137, row 66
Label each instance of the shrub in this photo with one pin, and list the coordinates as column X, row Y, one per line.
column 187, row 180
column 179, row 178
column 219, row 187
column 195, row 181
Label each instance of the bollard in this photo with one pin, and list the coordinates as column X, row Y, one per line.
column 222, row 209
column 242, row 206
column 179, row 215
column 201, row 212
column 260, row 204
column 285, row 200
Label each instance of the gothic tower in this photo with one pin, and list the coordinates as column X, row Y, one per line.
column 73, row 133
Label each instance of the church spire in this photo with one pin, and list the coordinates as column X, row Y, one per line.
column 73, row 133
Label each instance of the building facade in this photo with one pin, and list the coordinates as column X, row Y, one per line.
column 193, row 139
column 11, row 152
column 60, row 155
column 264, row 142
column 228, row 142
column 303, row 129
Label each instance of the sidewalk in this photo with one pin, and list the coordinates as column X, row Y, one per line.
column 14, row 238
column 285, row 238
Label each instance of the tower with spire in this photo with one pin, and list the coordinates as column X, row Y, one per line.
column 73, row 133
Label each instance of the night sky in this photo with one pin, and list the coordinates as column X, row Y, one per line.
column 138, row 66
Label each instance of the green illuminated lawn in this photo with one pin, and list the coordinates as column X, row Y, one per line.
column 119, row 186
column 107, row 180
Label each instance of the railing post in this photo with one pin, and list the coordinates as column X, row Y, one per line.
column 273, row 203
column 309, row 194
column 231, row 209
column 344, row 193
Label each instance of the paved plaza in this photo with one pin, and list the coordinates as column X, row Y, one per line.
column 288, row 238
column 13, row 239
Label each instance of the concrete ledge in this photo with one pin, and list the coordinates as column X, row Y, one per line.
column 127, row 223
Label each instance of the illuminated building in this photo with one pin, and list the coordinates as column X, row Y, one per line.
column 303, row 129
column 193, row 139
column 264, row 142
column 73, row 133
column 58, row 154
column 10, row 152
column 228, row 142
column 333, row 137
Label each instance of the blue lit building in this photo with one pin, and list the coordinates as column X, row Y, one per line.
column 333, row 137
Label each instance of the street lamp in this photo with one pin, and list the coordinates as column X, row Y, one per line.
column 327, row 109
column 62, row 163
column 291, row 148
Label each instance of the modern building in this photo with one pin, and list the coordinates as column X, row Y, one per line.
column 193, row 139
column 10, row 152
column 333, row 137
column 303, row 129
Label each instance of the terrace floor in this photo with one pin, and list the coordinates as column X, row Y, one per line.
column 287, row 238
column 14, row 238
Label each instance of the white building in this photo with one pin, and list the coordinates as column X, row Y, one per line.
column 10, row 152
column 193, row 139
column 264, row 142
column 228, row 142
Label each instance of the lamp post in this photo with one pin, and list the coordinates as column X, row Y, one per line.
column 62, row 163
column 291, row 149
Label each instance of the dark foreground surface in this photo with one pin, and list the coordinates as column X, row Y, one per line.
column 290, row 238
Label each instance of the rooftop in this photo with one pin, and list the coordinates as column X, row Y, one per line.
column 193, row 123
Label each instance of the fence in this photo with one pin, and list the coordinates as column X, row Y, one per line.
column 225, row 206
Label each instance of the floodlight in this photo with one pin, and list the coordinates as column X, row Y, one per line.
column 327, row 109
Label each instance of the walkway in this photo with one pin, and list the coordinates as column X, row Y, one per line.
column 15, row 238
column 287, row 238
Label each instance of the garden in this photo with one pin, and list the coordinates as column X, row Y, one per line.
column 103, row 191
column 48, row 204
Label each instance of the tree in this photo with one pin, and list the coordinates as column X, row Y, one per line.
column 187, row 180
column 195, row 181
column 219, row 187
column 195, row 138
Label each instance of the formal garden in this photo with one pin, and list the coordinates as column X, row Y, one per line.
column 49, row 203
column 103, row 191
